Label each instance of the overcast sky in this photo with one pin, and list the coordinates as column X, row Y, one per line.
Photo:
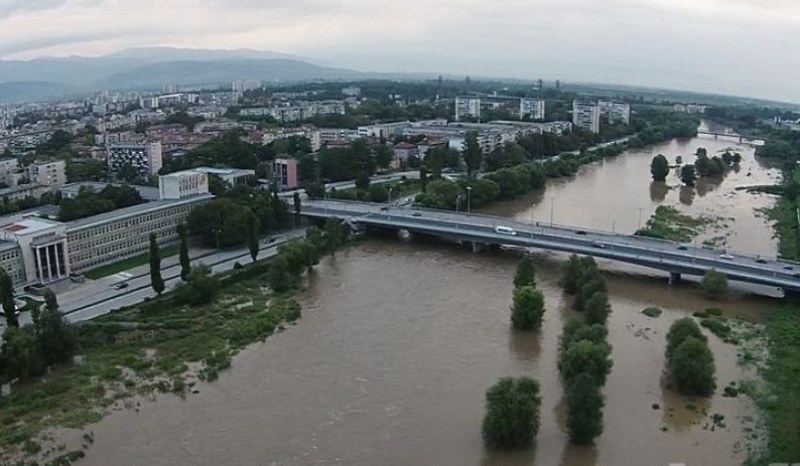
column 742, row 47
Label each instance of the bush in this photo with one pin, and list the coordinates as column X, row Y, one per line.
column 652, row 311
column 584, row 409
column 576, row 330
column 512, row 413
column 692, row 368
column 575, row 271
column 526, row 273
column 717, row 327
column 591, row 283
column 714, row 311
column 680, row 330
column 597, row 308
column 200, row 288
column 378, row 193
column 715, row 284
column 586, row 357
column 527, row 308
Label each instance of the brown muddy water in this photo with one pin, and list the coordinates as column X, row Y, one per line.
column 398, row 343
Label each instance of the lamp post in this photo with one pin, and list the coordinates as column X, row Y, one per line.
column 469, row 190
column 613, row 224
column 552, row 201
column 640, row 217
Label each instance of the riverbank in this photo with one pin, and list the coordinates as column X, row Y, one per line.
column 164, row 345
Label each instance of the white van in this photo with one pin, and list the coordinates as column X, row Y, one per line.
column 505, row 230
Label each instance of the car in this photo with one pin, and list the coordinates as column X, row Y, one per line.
column 788, row 267
column 682, row 248
column 726, row 256
column 761, row 261
column 385, row 208
column 580, row 232
column 121, row 286
column 416, row 214
column 505, row 230
column 797, row 275
column 599, row 245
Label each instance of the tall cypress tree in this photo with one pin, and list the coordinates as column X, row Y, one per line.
column 252, row 236
column 183, row 254
column 7, row 299
column 155, row 266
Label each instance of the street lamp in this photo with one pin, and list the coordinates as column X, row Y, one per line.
column 469, row 190
column 613, row 224
column 640, row 217
column 552, row 199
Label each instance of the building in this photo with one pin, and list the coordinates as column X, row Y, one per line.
column 351, row 91
column 297, row 111
column 8, row 166
column 402, row 152
column 467, row 107
column 144, row 159
column 586, row 115
column 41, row 250
column 11, row 261
column 52, row 174
column 232, row 176
column 615, row 112
column 532, row 109
column 286, row 173
column 183, row 184
column 119, row 234
column 384, row 130
column 23, row 191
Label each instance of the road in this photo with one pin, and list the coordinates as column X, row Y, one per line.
column 655, row 253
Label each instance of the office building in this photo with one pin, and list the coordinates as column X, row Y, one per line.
column 586, row 115
column 531, row 109
column 182, row 184
column 615, row 112
column 232, row 176
column 286, row 173
column 41, row 255
column 144, row 159
column 467, row 107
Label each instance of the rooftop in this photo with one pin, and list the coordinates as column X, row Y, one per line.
column 28, row 225
column 133, row 211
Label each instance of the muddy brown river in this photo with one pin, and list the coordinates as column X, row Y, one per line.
column 398, row 343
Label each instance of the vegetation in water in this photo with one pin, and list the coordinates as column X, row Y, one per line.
column 512, row 413
column 668, row 223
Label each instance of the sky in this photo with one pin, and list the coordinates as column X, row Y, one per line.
column 739, row 47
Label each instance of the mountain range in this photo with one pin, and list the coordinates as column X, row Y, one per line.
column 153, row 67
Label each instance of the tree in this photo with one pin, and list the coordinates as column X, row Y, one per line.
column 383, row 156
column 597, row 308
column 423, row 178
column 576, row 271
column 592, row 283
column 54, row 335
column 278, row 276
column 297, row 202
column 472, row 153
column 679, row 331
column 584, row 356
column 7, row 299
column 692, row 368
column 584, row 409
column 659, row 168
column 201, row 287
column 527, row 309
column 378, row 193
column 512, row 413
column 701, row 152
column 155, row 266
column 183, row 253
column 20, row 357
column 714, row 283
column 688, row 175
column 50, row 299
column 335, row 233
column 526, row 273
column 252, row 236
column 362, row 181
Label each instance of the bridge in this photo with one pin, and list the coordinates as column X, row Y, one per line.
column 739, row 138
column 668, row 256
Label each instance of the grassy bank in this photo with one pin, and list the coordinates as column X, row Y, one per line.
column 125, row 264
column 784, row 218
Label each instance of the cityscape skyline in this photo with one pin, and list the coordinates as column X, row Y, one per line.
column 709, row 46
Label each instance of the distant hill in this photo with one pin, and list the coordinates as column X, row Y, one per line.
column 153, row 67
column 221, row 71
column 30, row 91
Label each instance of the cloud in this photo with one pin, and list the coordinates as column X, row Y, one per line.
column 725, row 46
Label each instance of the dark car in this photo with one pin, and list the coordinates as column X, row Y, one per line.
column 788, row 267
column 416, row 214
column 121, row 286
column 580, row 232
column 761, row 261
column 682, row 248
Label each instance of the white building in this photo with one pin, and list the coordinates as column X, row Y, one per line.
column 51, row 174
column 467, row 107
column 384, row 130
column 531, row 108
column 42, row 246
column 145, row 159
column 182, row 184
column 615, row 112
column 586, row 115
column 351, row 91
column 232, row 176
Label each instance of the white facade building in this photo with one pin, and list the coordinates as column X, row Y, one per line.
column 42, row 246
column 51, row 174
column 586, row 115
column 182, row 184
column 467, row 107
column 615, row 112
column 531, row 108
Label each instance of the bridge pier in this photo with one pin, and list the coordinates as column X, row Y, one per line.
column 478, row 247
column 674, row 278
column 405, row 235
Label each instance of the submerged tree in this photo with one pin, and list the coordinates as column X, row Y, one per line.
column 584, row 409
column 512, row 413
column 527, row 309
column 659, row 168
column 526, row 273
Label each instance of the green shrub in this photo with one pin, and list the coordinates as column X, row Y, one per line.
column 512, row 413
column 527, row 309
column 692, row 368
column 715, row 284
column 652, row 311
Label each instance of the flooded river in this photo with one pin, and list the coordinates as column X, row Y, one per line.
column 399, row 342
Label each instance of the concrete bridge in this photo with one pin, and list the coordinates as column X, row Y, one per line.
column 480, row 230
column 734, row 137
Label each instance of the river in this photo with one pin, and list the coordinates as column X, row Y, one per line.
column 399, row 341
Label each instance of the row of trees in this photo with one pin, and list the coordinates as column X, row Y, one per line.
column 689, row 359
column 528, row 308
column 584, row 352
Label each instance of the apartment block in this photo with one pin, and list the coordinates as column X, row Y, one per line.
column 615, row 112
column 467, row 107
column 586, row 115
column 145, row 159
column 531, row 108
column 52, row 174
